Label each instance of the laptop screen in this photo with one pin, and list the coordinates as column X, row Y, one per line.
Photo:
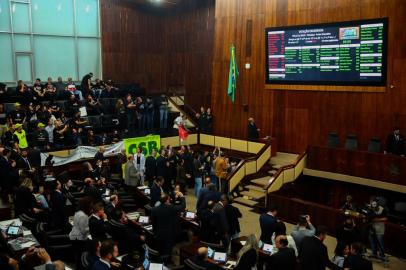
column 190, row 215
column 155, row 266
column 220, row 256
column 143, row 220
column 210, row 252
column 13, row 230
column 267, row 248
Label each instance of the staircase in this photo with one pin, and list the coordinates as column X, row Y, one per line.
column 253, row 189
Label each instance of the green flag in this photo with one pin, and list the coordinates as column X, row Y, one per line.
column 233, row 75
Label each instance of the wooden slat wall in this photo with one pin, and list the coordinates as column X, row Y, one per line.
column 300, row 118
column 160, row 48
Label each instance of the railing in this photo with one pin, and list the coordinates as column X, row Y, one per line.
column 286, row 174
column 175, row 102
column 251, row 165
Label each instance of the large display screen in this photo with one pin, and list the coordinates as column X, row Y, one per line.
column 345, row 53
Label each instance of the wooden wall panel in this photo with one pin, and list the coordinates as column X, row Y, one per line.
column 160, row 48
column 300, row 118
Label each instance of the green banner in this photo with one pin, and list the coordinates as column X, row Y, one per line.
column 147, row 143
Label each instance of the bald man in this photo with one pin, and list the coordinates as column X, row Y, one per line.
column 201, row 259
column 285, row 258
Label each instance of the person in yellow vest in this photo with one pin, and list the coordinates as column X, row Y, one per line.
column 221, row 172
column 20, row 137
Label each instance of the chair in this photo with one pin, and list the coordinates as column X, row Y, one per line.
column 351, row 142
column 374, row 145
column 60, row 246
column 333, row 140
column 189, row 265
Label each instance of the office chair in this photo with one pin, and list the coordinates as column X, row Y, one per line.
column 333, row 140
column 189, row 265
column 374, row 145
column 351, row 142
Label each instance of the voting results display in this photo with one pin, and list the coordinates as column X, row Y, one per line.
column 346, row 53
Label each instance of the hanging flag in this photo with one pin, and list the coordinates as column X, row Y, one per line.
column 233, row 75
column 183, row 134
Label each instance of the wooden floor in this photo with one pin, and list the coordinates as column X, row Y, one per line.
column 250, row 225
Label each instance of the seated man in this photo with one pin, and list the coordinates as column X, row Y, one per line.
column 107, row 252
column 285, row 258
column 98, row 222
column 355, row 261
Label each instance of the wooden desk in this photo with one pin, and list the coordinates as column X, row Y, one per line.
column 377, row 166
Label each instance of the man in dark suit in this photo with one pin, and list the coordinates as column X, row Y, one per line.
column 211, row 194
column 208, row 224
column 285, row 258
column 355, row 261
column 253, row 131
column 98, row 223
column 161, row 168
column 232, row 215
column 267, row 221
column 395, row 143
column 110, row 208
column 150, row 167
column 165, row 222
column 8, row 173
column 156, row 190
column 221, row 220
column 58, row 206
column 313, row 253
column 92, row 191
column 106, row 256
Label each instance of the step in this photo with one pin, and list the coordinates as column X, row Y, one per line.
column 272, row 172
column 253, row 194
column 263, row 181
column 277, row 166
column 256, row 188
column 245, row 201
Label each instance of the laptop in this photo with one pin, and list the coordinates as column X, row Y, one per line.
column 156, row 266
column 210, row 252
column 190, row 215
column 220, row 257
column 267, row 248
column 13, row 230
column 143, row 220
column 147, row 191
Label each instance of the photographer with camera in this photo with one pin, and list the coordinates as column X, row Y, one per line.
column 302, row 229
column 376, row 233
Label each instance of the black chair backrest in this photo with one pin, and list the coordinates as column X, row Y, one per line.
column 333, row 140
column 374, row 145
column 351, row 142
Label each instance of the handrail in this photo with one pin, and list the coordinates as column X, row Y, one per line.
column 187, row 105
column 182, row 111
column 280, row 172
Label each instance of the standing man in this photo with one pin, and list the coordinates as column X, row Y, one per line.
column 377, row 230
column 253, row 131
column 268, row 221
column 151, row 167
column 165, row 222
column 221, row 172
column 302, row 229
column 163, row 112
column 130, row 111
column 20, row 138
column 223, row 227
column 313, row 253
column 395, row 143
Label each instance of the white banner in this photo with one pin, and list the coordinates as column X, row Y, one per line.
column 83, row 152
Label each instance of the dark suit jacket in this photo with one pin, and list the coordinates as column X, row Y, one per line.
column 98, row 228
column 208, row 226
column 233, row 214
column 267, row 223
column 110, row 211
column 394, row 146
column 165, row 220
column 8, row 174
column 221, row 219
column 161, row 169
column 58, row 202
column 313, row 255
column 99, row 265
column 155, row 193
column 93, row 192
column 206, row 197
column 150, row 167
column 284, row 259
column 356, row 262
column 24, row 202
column 253, row 133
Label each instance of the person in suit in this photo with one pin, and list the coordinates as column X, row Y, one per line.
column 110, row 208
column 267, row 222
column 203, row 192
column 139, row 162
column 302, row 229
column 58, row 202
column 8, row 173
column 132, row 177
column 25, row 202
column 253, row 131
column 395, row 143
column 107, row 251
column 98, row 222
column 156, row 190
column 91, row 191
column 313, row 253
column 232, row 215
column 221, row 220
column 208, row 224
column 285, row 258
column 151, row 166
column 165, row 222
column 355, row 261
